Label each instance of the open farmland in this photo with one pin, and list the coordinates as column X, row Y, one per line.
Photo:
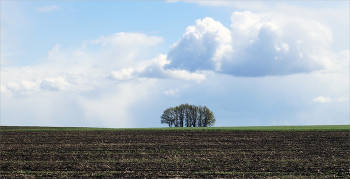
column 79, row 152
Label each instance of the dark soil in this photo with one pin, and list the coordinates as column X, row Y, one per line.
column 36, row 154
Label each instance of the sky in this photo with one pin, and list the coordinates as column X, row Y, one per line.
column 120, row 64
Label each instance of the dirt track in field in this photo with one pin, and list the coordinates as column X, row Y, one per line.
column 174, row 154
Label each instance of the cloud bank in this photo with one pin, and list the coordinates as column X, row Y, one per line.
column 96, row 84
column 119, row 80
column 117, row 57
column 258, row 44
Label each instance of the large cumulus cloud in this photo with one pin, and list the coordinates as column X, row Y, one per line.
column 257, row 45
column 202, row 47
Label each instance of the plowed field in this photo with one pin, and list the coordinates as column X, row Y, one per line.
column 147, row 153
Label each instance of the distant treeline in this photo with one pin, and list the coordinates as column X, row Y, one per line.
column 186, row 115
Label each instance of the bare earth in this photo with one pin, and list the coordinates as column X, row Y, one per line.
column 138, row 153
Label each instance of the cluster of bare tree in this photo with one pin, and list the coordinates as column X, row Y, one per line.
column 186, row 115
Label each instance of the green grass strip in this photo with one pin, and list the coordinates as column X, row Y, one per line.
column 246, row 128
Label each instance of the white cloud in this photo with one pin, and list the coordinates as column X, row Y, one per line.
column 330, row 14
column 185, row 75
column 5, row 92
column 123, row 74
column 171, row 92
column 260, row 44
column 13, row 86
column 128, row 39
column 49, row 8
column 202, row 47
column 29, row 85
column 322, row 99
column 22, row 88
column 154, row 69
column 54, row 84
column 340, row 61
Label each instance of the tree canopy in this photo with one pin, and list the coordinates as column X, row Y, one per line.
column 186, row 115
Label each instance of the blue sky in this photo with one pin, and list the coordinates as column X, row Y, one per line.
column 121, row 63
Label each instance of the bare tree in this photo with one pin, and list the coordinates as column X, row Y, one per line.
column 209, row 118
column 188, row 115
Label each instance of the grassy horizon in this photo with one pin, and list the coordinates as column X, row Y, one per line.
column 240, row 128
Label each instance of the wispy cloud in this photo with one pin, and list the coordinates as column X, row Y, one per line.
column 49, row 8
column 172, row 92
column 342, row 99
column 322, row 99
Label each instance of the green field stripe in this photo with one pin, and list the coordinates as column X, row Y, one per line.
column 245, row 128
